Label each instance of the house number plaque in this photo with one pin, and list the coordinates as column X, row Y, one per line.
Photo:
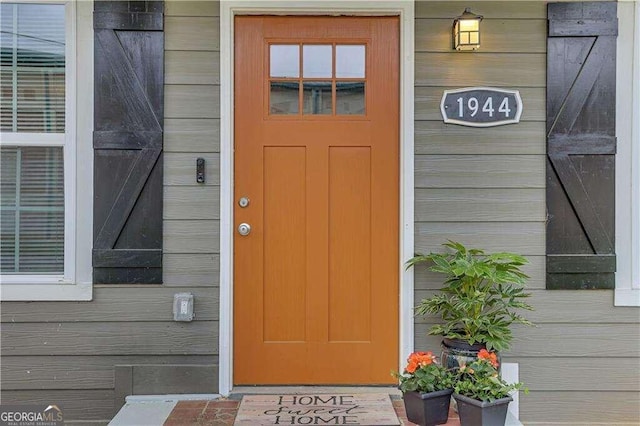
column 481, row 106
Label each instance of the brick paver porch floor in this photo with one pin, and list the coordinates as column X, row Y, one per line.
column 222, row 412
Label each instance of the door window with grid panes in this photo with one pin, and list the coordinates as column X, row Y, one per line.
column 325, row 79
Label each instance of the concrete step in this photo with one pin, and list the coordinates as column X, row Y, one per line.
column 212, row 410
column 152, row 410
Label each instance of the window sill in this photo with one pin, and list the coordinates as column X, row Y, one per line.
column 33, row 279
column 51, row 291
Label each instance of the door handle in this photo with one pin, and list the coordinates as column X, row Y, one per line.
column 244, row 229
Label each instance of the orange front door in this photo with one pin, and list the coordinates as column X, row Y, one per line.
column 316, row 157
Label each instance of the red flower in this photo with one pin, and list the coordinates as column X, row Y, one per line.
column 489, row 356
column 412, row 367
column 419, row 359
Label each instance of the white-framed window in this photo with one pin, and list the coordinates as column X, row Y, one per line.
column 46, row 104
column 627, row 292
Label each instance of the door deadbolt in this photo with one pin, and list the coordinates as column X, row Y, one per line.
column 243, row 202
column 244, row 229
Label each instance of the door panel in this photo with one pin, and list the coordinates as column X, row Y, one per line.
column 350, row 257
column 284, row 243
column 316, row 280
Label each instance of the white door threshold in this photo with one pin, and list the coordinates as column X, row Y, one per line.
column 300, row 390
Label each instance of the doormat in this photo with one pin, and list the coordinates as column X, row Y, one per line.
column 373, row 409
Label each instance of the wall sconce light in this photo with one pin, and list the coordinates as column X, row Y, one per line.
column 466, row 31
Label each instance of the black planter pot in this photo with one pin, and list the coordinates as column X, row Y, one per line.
column 477, row 413
column 427, row 409
column 456, row 352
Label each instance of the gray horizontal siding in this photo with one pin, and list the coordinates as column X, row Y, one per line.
column 192, row 202
column 568, row 373
column 192, row 130
column 495, row 69
column 485, row 188
column 181, row 169
column 191, row 270
column 191, row 236
column 191, row 135
column 495, row 10
column 191, row 210
column 110, row 338
column 68, row 351
column 479, row 171
column 588, row 307
column 189, row 67
column 81, row 371
column 526, row 238
column 147, row 379
column 192, row 8
column 435, row 137
column 192, row 101
column 199, row 33
column 480, row 204
column 580, row 408
column 599, row 342
column 85, row 404
column 114, row 304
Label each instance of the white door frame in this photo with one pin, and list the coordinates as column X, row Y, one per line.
column 228, row 9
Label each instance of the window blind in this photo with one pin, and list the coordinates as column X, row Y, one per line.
column 32, row 209
column 32, row 100
column 32, row 67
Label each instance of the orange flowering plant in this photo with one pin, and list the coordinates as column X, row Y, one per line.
column 424, row 374
column 480, row 379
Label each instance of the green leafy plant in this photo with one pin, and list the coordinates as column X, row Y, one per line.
column 424, row 374
column 480, row 296
column 480, row 379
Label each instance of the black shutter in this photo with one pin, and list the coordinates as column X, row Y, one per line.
column 581, row 145
column 127, row 141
